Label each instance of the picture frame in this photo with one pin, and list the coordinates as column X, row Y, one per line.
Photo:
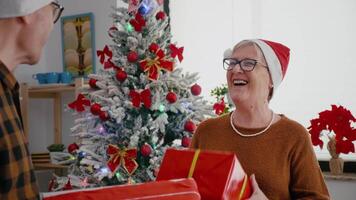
column 78, row 44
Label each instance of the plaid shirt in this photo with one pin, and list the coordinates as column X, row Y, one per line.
column 17, row 178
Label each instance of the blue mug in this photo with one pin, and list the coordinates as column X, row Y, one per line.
column 65, row 77
column 40, row 77
column 52, row 77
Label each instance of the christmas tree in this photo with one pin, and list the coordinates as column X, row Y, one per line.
column 137, row 106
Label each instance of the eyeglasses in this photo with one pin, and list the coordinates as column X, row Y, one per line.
column 246, row 64
column 57, row 12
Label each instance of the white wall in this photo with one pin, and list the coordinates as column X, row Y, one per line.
column 320, row 34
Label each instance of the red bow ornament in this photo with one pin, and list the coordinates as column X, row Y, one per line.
column 106, row 52
column 79, row 103
column 138, row 23
column 105, row 57
column 175, row 51
column 153, row 66
column 144, row 97
column 124, row 157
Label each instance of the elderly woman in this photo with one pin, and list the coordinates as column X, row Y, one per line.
column 274, row 149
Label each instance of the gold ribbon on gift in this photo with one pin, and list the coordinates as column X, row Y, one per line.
column 194, row 163
column 243, row 188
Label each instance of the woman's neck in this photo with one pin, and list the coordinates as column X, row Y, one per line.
column 252, row 116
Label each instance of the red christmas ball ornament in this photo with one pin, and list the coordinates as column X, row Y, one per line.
column 95, row 109
column 146, row 150
column 171, row 97
column 195, row 89
column 189, row 126
column 153, row 47
column 132, row 56
column 186, row 141
column 121, row 75
column 92, row 83
column 104, row 116
column 72, row 147
column 111, row 30
column 160, row 15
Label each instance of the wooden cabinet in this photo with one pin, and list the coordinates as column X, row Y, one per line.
column 50, row 91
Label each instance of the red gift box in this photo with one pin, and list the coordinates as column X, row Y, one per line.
column 219, row 175
column 180, row 189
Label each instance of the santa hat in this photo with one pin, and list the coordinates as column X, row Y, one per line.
column 15, row 8
column 276, row 56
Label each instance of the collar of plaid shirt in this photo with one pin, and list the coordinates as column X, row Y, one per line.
column 10, row 82
column 7, row 77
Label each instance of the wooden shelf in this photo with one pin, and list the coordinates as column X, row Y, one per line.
column 46, row 166
column 56, row 88
column 343, row 176
column 54, row 92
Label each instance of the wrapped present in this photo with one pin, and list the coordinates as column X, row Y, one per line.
column 178, row 189
column 219, row 175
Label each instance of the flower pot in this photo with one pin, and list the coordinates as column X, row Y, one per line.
column 336, row 164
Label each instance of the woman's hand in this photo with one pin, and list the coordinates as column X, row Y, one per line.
column 257, row 193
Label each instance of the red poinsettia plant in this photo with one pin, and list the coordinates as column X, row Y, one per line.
column 339, row 122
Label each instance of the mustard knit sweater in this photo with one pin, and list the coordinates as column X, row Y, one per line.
column 282, row 158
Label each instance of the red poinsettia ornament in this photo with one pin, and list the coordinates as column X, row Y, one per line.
column 337, row 120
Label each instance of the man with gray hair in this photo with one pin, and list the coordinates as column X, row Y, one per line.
column 25, row 26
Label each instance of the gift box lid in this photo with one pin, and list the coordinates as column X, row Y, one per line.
column 178, row 189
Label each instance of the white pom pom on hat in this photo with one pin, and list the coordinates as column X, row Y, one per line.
column 16, row 8
column 277, row 58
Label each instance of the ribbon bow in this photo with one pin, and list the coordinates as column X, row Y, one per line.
column 102, row 54
column 124, row 157
column 106, row 52
column 79, row 103
column 144, row 97
column 175, row 51
column 138, row 23
column 153, row 66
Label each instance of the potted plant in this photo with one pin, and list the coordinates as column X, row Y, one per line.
column 337, row 123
